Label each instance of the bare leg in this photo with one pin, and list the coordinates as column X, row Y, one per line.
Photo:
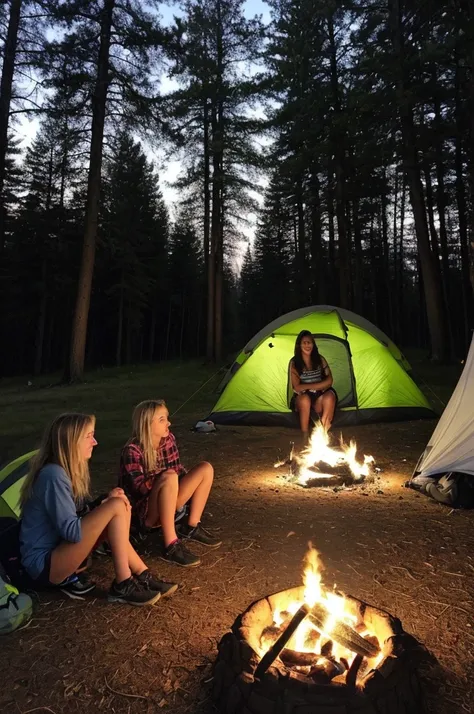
column 196, row 485
column 328, row 400
column 135, row 563
column 162, row 504
column 112, row 515
column 303, row 407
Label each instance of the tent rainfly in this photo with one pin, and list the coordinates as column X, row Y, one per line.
column 11, row 480
column 370, row 373
column 451, row 447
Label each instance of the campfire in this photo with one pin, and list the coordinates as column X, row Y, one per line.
column 320, row 636
column 313, row 650
column 320, row 464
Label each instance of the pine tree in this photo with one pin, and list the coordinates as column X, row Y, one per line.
column 113, row 80
column 132, row 268
column 214, row 42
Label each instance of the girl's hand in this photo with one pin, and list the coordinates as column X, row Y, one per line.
column 119, row 493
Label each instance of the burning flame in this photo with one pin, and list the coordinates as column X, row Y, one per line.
column 308, row 638
column 319, row 451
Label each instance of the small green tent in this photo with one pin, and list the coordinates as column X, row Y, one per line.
column 11, row 480
column 370, row 373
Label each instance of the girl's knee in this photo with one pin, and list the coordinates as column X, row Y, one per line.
column 117, row 504
column 208, row 469
column 303, row 402
column 168, row 477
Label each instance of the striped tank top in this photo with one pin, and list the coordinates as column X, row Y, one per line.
column 309, row 376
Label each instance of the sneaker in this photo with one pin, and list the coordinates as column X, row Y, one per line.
column 199, row 534
column 132, row 592
column 76, row 586
column 158, row 586
column 178, row 553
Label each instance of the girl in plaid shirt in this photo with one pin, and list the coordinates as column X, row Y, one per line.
column 158, row 485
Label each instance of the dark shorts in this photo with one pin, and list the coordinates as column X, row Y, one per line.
column 43, row 578
column 314, row 396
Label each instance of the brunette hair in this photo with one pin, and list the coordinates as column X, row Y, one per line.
column 298, row 358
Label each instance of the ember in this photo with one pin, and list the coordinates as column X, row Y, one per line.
column 322, row 465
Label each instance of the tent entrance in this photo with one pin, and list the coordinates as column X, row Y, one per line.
column 337, row 354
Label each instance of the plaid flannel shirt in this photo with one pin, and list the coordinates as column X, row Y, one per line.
column 136, row 481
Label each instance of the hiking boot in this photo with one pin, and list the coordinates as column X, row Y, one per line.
column 76, row 586
column 155, row 584
column 178, row 553
column 132, row 592
column 199, row 534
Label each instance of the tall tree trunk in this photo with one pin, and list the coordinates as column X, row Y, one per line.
column 99, row 102
column 217, row 126
column 41, row 321
column 334, row 292
column 467, row 284
column 301, row 264
column 318, row 268
column 45, row 230
column 181, row 333
column 338, row 147
column 9, row 54
column 434, row 301
column 118, row 346
column 386, row 258
column 373, row 270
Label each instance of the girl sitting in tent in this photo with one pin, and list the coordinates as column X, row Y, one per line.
column 311, row 380
column 159, row 486
column 55, row 540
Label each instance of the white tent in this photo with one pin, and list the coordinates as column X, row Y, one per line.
column 451, row 447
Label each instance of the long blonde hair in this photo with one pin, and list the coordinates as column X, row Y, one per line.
column 60, row 445
column 141, row 429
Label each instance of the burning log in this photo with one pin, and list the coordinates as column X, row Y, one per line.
column 299, row 659
column 274, row 651
column 343, row 634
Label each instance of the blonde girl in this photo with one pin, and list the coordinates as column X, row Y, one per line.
column 158, row 485
column 55, row 540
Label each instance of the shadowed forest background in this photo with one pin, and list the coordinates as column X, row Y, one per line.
column 343, row 128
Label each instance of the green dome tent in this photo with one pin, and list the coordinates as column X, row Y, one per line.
column 11, row 480
column 370, row 373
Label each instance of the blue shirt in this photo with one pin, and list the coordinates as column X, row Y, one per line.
column 48, row 518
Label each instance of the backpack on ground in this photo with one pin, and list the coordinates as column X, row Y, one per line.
column 16, row 608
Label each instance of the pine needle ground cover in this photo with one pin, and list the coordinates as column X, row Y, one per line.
column 383, row 544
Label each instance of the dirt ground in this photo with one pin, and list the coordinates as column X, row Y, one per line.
column 383, row 543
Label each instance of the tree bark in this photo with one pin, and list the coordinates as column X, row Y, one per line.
column 433, row 295
column 9, row 54
column 99, row 102
column 338, row 142
column 466, row 272
column 318, row 269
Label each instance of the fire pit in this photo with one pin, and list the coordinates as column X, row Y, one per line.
column 320, row 464
column 309, row 651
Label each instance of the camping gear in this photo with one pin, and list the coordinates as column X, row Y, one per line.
column 11, row 479
column 369, row 371
column 15, row 608
column 204, row 427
